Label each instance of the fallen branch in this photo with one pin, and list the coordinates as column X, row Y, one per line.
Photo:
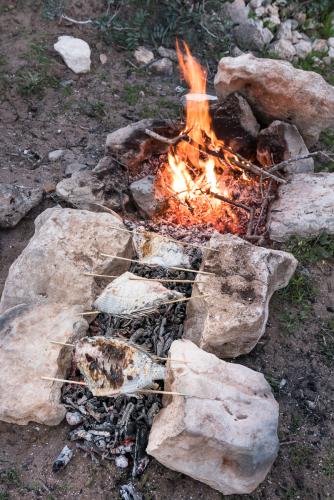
column 284, row 163
column 166, row 140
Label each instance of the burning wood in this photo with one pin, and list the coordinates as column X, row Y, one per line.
column 112, row 366
column 203, row 180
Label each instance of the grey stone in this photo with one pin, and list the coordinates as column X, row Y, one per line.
column 303, row 48
column 75, row 53
column 56, row 155
column 252, row 36
column 320, row 45
column 16, row 202
column 169, row 53
column 282, row 141
column 27, row 355
column 304, row 207
column 237, row 11
column 162, row 66
column 283, row 48
column 143, row 55
column 330, row 41
column 277, row 90
column 285, row 30
column 85, row 190
column 154, row 249
column 231, row 316
column 76, row 166
column 66, row 243
column 224, row 432
column 144, row 196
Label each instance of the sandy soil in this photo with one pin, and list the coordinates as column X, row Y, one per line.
column 299, row 365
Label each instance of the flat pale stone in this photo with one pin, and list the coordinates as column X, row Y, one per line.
column 224, row 433
column 16, row 202
column 282, row 141
column 232, row 318
column 75, row 53
column 154, row 249
column 85, row 190
column 304, row 207
column 26, row 355
column 126, row 295
column 277, row 90
column 66, row 244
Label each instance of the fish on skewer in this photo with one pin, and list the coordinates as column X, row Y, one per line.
column 111, row 366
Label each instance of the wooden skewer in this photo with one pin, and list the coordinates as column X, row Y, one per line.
column 162, row 280
column 184, row 243
column 159, row 358
column 101, row 275
column 89, row 313
column 154, row 265
column 64, row 381
column 144, row 391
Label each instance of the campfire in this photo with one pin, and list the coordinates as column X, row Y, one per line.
column 203, row 182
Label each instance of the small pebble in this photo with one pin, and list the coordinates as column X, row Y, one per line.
column 122, row 462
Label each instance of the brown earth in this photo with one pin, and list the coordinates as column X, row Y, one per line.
column 296, row 354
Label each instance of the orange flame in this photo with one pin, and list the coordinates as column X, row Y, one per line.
column 190, row 177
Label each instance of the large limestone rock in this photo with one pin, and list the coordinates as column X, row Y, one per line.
column 66, row 243
column 276, row 90
column 230, row 320
column 304, row 207
column 26, row 355
column 282, row 141
column 16, row 202
column 75, row 53
column 224, row 432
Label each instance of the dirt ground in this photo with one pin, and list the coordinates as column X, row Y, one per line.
column 41, row 111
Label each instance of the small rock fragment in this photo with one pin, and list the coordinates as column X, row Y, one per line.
column 16, row 202
column 163, row 66
column 224, row 433
column 154, row 249
column 237, row 11
column 284, row 49
column 320, row 45
column 304, row 207
column 71, row 168
column 128, row 294
column 143, row 55
column 303, row 48
column 251, row 35
column 75, row 53
column 169, row 53
column 63, row 459
column 144, row 195
column 56, row 155
column 74, row 418
column 121, row 462
column 103, row 58
column 282, row 141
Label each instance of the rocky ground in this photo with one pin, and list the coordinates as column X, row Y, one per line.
column 46, row 107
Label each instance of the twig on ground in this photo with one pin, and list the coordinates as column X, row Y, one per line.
column 74, row 21
column 250, row 223
column 284, row 163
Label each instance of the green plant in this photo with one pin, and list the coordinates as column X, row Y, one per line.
column 329, row 464
column 300, row 455
column 131, row 93
column 53, row 9
column 299, row 290
column 4, row 495
column 34, row 82
column 10, row 477
column 129, row 23
column 309, row 250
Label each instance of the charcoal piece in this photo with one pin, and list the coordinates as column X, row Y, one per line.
column 63, row 459
column 140, row 459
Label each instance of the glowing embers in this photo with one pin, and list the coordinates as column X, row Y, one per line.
column 200, row 167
